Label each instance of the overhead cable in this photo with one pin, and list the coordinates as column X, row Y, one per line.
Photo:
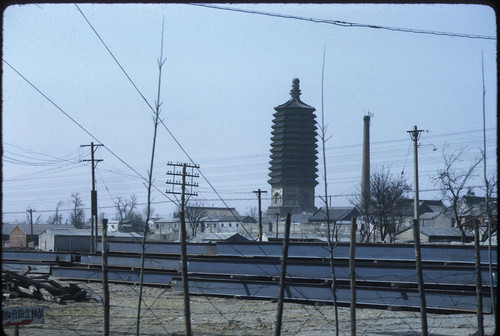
column 347, row 24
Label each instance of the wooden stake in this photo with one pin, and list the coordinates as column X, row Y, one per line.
column 352, row 275
column 479, row 282
column 185, row 284
column 105, row 286
column 284, row 257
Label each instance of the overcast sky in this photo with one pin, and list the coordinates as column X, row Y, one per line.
column 224, row 73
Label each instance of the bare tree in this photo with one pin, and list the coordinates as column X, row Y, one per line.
column 323, row 128
column 156, row 121
column 453, row 181
column 365, row 217
column 77, row 216
column 387, row 204
column 195, row 213
column 491, row 193
column 126, row 213
column 57, row 218
column 125, row 207
column 252, row 212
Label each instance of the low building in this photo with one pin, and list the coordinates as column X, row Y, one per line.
column 19, row 235
column 245, row 225
column 435, row 235
column 472, row 208
column 78, row 240
column 166, row 229
column 432, row 213
column 113, row 225
column 340, row 222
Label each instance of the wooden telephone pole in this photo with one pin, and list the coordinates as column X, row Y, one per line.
column 31, row 226
column 259, row 192
column 93, row 197
column 184, row 269
column 415, row 136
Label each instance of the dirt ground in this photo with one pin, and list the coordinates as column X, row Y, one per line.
column 162, row 314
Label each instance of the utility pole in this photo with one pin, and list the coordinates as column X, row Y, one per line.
column 93, row 197
column 259, row 192
column 277, row 218
column 487, row 191
column 184, row 269
column 415, row 136
column 31, row 225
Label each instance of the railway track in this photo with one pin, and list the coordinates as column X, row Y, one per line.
column 383, row 279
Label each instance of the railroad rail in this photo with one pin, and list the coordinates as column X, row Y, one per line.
column 393, row 271
column 375, row 295
column 385, row 275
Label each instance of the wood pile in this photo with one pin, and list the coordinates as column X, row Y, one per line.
column 41, row 287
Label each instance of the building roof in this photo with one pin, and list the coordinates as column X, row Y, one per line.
column 440, row 232
column 215, row 237
column 87, row 232
column 336, row 214
column 241, row 219
column 301, row 218
column 295, row 101
column 167, row 221
column 37, row 228
column 474, row 205
column 427, row 208
column 473, row 200
column 443, row 232
column 213, row 211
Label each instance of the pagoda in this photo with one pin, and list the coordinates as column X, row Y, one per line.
column 293, row 170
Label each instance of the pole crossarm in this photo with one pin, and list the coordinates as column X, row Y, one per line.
column 93, row 148
column 183, row 174
column 415, row 134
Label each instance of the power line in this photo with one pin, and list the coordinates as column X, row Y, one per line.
column 216, row 200
column 151, row 107
column 76, row 122
column 348, row 24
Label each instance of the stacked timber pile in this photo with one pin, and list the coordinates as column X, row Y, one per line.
column 41, row 287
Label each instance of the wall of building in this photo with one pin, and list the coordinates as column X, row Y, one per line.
column 46, row 241
column 72, row 243
column 17, row 238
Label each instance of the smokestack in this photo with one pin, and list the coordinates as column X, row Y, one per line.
column 365, row 166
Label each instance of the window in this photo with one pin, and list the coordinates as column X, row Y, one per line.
column 277, row 199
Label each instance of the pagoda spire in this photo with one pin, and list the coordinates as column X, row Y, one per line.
column 295, row 92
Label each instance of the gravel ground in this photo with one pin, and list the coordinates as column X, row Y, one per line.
column 162, row 314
